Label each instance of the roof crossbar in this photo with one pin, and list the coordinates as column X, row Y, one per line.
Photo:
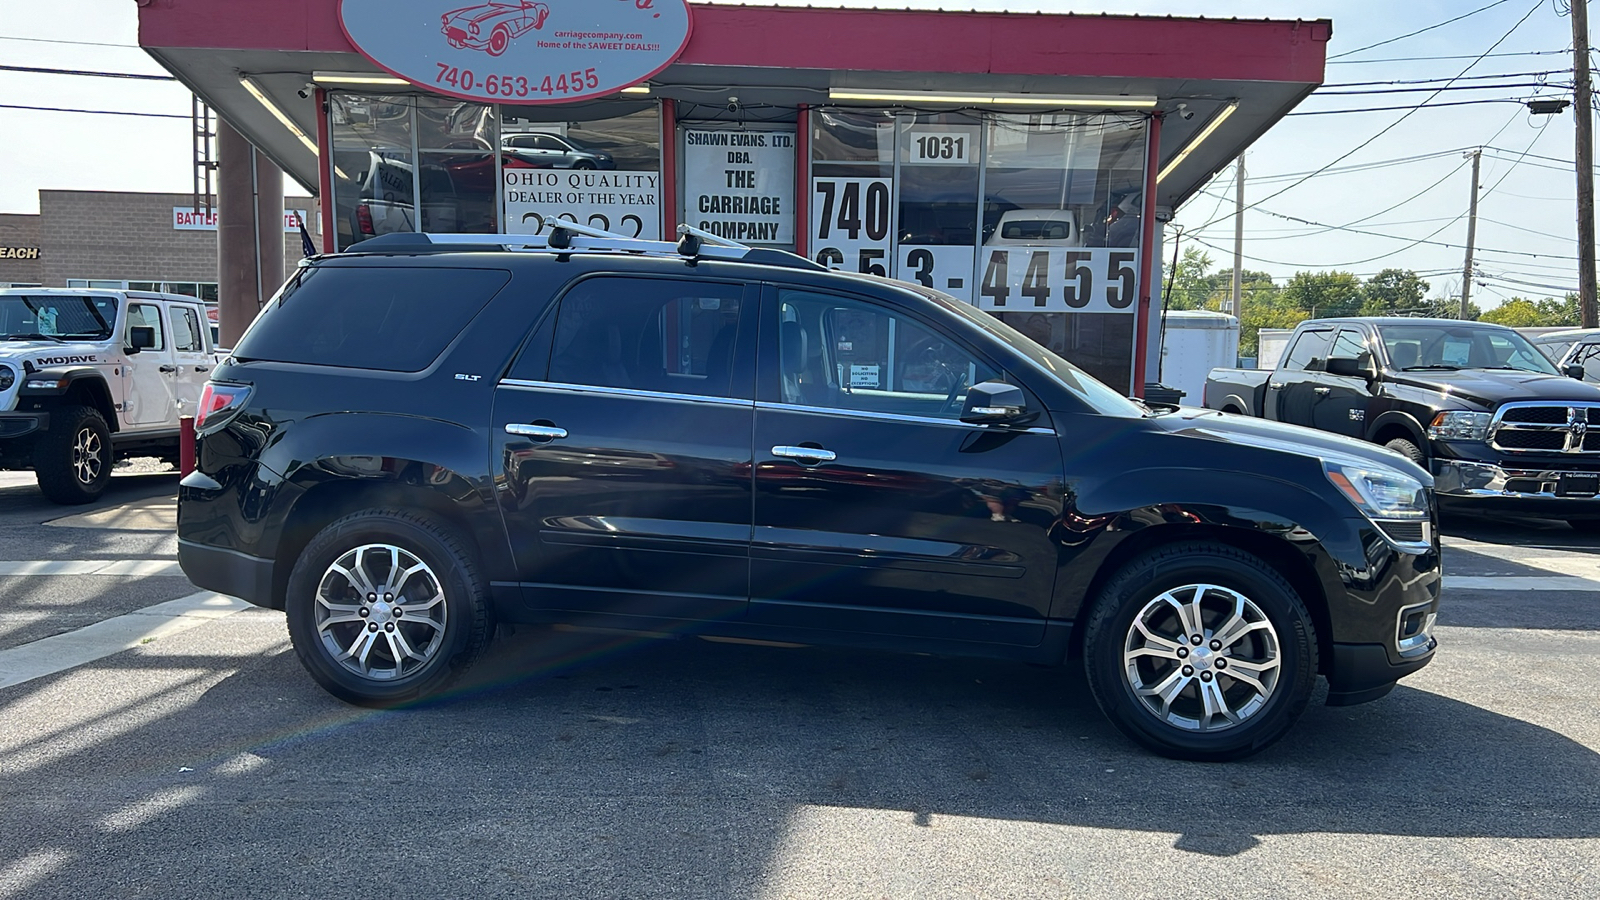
column 570, row 237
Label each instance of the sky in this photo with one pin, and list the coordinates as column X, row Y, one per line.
column 1407, row 187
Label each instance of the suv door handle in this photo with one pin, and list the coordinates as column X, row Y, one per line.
column 202, row 368
column 1275, row 385
column 1321, row 391
column 537, row 432
column 170, row 370
column 805, row 454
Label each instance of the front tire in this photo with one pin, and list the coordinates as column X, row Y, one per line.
column 1232, row 693
column 386, row 606
column 499, row 40
column 1409, row 450
column 72, row 461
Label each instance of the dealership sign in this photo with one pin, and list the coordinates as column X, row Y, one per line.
column 519, row 51
column 188, row 219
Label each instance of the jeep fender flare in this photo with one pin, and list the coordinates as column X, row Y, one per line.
column 89, row 381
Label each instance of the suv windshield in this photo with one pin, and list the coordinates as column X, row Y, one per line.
column 1445, row 347
column 59, row 317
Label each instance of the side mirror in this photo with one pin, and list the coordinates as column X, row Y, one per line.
column 995, row 403
column 141, row 337
column 1351, row 368
column 1573, row 371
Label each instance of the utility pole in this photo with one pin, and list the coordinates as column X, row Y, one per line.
column 1583, row 130
column 1238, row 241
column 1472, row 233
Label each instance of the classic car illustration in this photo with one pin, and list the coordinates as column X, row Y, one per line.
column 491, row 26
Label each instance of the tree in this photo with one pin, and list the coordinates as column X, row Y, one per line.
column 1324, row 294
column 1189, row 285
column 1516, row 312
column 1395, row 292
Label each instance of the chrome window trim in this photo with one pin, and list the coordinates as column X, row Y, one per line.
column 892, row 417
column 1573, row 442
column 555, row 387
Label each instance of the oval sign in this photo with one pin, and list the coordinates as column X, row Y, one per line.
column 519, row 51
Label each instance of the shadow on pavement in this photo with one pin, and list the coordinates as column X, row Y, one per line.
column 578, row 766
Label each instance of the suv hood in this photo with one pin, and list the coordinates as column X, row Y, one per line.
column 1266, row 434
column 1489, row 388
column 46, row 354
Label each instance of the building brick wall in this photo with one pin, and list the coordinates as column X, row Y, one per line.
column 127, row 236
column 19, row 230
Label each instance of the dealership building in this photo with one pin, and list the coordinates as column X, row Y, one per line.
column 1021, row 162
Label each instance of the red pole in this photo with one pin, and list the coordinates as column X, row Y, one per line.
column 669, row 170
column 1147, row 253
column 186, row 445
column 802, row 177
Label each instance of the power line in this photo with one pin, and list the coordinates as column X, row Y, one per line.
column 1394, row 59
column 1411, row 111
column 95, row 112
column 34, row 40
column 1421, row 30
column 1464, row 78
column 36, row 70
column 1448, row 87
column 1423, row 105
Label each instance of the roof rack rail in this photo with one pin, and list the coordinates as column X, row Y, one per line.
column 568, row 237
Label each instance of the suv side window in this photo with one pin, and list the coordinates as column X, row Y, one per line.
column 186, row 330
column 848, row 354
column 146, row 314
column 1309, row 346
column 649, row 334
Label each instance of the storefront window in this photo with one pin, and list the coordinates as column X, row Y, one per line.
column 604, row 172
column 1061, row 230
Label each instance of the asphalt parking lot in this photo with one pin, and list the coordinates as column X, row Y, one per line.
column 204, row 763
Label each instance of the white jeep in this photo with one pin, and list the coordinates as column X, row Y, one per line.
column 88, row 377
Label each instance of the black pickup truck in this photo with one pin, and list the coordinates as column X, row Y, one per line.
column 1497, row 423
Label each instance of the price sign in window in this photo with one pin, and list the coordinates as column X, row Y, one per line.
column 851, row 224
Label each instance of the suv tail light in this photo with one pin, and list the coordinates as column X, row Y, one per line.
column 364, row 219
column 218, row 403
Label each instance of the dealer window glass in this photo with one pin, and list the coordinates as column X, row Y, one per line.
column 147, row 315
column 649, row 334
column 373, row 168
column 846, row 354
column 603, row 171
column 1311, row 345
column 369, row 317
column 186, row 331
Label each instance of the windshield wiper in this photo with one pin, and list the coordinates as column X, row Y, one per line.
column 1447, row 368
column 32, row 336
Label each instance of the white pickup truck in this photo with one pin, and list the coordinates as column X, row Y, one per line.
column 88, row 377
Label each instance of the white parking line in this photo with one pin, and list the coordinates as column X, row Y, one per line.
column 61, row 652
column 1520, row 583
column 135, row 568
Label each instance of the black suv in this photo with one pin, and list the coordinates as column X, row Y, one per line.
column 428, row 435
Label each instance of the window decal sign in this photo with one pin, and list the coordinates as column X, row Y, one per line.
column 519, row 51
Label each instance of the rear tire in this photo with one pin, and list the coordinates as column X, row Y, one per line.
column 386, row 606
column 72, row 460
column 1232, row 694
column 1409, row 450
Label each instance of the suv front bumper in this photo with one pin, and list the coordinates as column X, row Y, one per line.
column 1535, row 489
column 22, row 424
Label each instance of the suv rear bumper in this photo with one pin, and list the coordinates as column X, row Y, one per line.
column 22, row 424
column 228, row 572
column 1531, row 490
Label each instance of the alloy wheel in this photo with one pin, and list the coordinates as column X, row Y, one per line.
column 381, row 612
column 86, row 452
column 1202, row 658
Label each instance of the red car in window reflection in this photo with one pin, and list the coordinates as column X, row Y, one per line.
column 491, row 26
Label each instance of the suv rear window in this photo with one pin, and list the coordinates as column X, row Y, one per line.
column 369, row 317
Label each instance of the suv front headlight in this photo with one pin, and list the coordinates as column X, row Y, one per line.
column 1380, row 493
column 8, row 377
column 1459, row 425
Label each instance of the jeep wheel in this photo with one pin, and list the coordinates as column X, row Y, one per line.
column 1409, row 450
column 386, row 606
column 72, row 460
column 1201, row 651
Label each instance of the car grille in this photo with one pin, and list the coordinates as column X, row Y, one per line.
column 1405, row 532
column 1546, row 428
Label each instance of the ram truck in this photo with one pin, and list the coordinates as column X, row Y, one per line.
column 1499, row 425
